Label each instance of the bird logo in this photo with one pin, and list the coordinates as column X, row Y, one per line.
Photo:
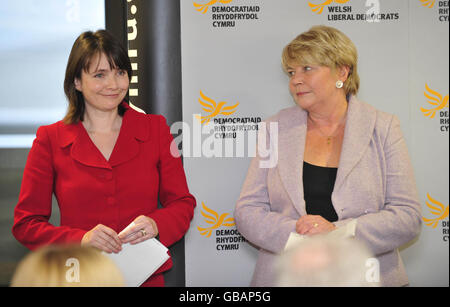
column 318, row 8
column 204, row 7
column 436, row 100
column 215, row 220
column 428, row 3
column 437, row 209
column 213, row 108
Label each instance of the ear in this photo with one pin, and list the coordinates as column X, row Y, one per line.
column 343, row 73
column 77, row 83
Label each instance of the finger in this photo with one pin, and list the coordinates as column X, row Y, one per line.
column 304, row 229
column 112, row 234
column 303, row 224
column 141, row 239
column 126, row 231
column 136, row 232
column 147, row 224
column 106, row 240
column 100, row 244
column 130, row 230
column 314, row 230
column 131, row 237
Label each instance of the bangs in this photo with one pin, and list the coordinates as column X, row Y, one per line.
column 114, row 63
column 300, row 55
column 115, row 57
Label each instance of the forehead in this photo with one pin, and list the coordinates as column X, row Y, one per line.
column 99, row 61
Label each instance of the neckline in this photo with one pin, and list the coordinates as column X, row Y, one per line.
column 321, row 167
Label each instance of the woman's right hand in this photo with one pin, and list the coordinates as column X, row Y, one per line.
column 103, row 238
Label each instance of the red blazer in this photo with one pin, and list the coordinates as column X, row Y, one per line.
column 90, row 190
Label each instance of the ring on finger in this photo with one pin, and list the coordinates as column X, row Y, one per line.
column 315, row 225
column 143, row 232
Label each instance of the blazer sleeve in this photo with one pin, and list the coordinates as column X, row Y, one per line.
column 399, row 221
column 33, row 210
column 253, row 214
column 177, row 211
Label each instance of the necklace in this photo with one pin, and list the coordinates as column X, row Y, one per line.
column 329, row 137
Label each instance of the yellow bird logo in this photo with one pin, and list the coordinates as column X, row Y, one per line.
column 437, row 209
column 318, row 8
column 215, row 220
column 436, row 100
column 204, row 7
column 428, row 3
column 210, row 106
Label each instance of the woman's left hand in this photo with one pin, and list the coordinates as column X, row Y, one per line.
column 144, row 228
column 313, row 224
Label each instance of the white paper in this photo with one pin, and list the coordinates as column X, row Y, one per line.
column 346, row 231
column 126, row 228
column 138, row 262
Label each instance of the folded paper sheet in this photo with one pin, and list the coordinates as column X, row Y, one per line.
column 346, row 231
column 138, row 262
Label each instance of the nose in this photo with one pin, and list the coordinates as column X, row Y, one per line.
column 112, row 82
column 297, row 78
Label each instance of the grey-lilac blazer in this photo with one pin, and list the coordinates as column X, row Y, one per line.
column 375, row 185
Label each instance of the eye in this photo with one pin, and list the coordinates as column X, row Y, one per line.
column 122, row 73
column 291, row 72
column 307, row 68
column 99, row 75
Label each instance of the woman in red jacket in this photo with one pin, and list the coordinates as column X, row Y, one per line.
column 106, row 164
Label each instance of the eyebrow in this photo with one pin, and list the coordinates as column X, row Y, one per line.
column 99, row 70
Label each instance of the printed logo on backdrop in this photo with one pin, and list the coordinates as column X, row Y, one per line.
column 351, row 11
column 219, row 133
column 213, row 109
column 437, row 105
column 227, row 13
column 440, row 213
column 441, row 8
column 222, row 226
column 225, row 126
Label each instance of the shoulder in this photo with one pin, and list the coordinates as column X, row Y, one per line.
column 139, row 116
column 50, row 133
column 384, row 122
column 287, row 114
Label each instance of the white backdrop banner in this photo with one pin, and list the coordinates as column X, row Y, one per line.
column 233, row 80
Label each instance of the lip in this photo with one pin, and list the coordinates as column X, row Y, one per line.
column 302, row 93
column 111, row 96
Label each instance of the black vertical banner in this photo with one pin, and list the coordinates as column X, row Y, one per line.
column 152, row 34
column 154, row 45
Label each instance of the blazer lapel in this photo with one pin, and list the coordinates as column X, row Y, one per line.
column 292, row 138
column 82, row 148
column 134, row 128
column 357, row 136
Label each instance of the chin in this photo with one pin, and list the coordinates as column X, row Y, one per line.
column 303, row 104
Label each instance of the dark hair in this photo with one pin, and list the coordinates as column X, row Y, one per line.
column 86, row 47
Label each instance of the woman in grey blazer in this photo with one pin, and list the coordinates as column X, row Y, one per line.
column 339, row 160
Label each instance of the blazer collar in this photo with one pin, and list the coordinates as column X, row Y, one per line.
column 291, row 144
column 135, row 129
column 292, row 139
column 358, row 133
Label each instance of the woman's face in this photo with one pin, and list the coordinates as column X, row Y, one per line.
column 103, row 88
column 312, row 86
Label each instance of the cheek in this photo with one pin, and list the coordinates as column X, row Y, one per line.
column 95, row 86
column 292, row 88
column 124, row 84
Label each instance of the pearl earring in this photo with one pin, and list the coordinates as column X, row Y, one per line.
column 339, row 84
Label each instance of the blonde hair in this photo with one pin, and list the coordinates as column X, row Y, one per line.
column 325, row 46
column 324, row 261
column 67, row 266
